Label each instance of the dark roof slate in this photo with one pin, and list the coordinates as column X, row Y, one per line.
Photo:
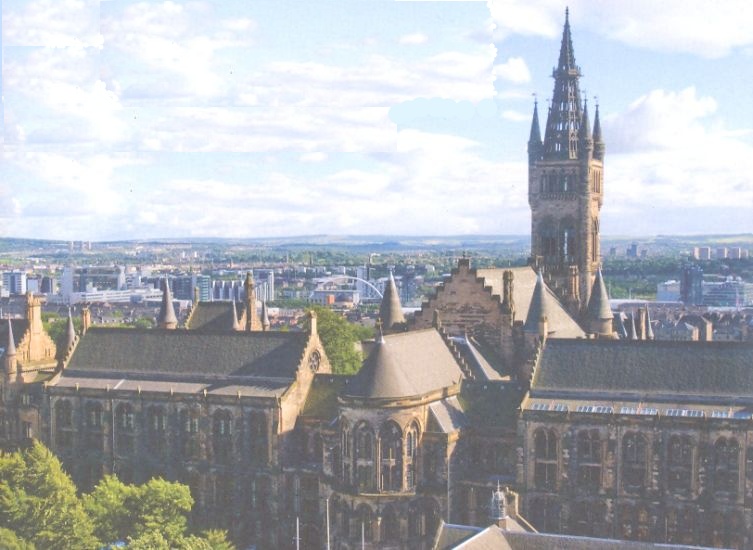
column 19, row 328
column 212, row 316
column 185, row 352
column 390, row 310
column 683, row 370
column 407, row 364
column 598, row 303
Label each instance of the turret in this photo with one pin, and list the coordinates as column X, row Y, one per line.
column 539, row 310
column 11, row 364
column 597, row 139
column 599, row 313
column 584, row 133
column 390, row 310
column 167, row 318
column 252, row 316
column 71, row 335
column 265, row 324
column 535, row 145
column 236, row 324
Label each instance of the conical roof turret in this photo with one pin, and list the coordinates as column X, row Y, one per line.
column 649, row 328
column 71, row 335
column 10, row 347
column 167, row 318
column 390, row 310
column 236, row 323
column 598, row 304
column 584, row 133
column 265, row 324
column 632, row 330
column 541, row 305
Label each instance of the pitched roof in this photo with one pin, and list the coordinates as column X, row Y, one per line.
column 646, row 369
column 447, row 415
column 390, row 310
column 407, row 364
column 212, row 316
column 560, row 323
column 185, row 352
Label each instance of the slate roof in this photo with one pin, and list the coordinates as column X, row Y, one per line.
column 185, row 352
column 560, row 323
column 212, row 316
column 407, row 364
column 479, row 357
column 547, row 541
column 646, row 369
column 447, row 415
column 490, row 404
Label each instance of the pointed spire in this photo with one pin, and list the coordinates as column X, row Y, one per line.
column 236, row 324
column 584, row 133
column 567, row 55
column 534, row 141
column 540, row 306
column 265, row 324
column 597, row 139
column 390, row 310
column 598, row 303
column 71, row 331
column 10, row 348
column 167, row 318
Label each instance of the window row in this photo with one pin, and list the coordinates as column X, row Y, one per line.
column 159, row 428
column 635, row 458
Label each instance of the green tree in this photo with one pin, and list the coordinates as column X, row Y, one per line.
column 108, row 506
column 340, row 340
column 10, row 541
column 39, row 500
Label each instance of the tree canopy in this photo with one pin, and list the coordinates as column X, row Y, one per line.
column 340, row 340
column 39, row 508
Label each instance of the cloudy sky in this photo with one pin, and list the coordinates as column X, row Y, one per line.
column 266, row 118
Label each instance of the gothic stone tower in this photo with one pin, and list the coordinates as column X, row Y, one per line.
column 565, row 192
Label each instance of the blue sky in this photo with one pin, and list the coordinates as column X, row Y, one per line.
column 278, row 117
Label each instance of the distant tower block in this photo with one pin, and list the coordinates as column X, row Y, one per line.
column 565, row 185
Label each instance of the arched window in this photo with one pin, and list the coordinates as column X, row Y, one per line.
column 156, row 429
column 725, row 530
column 94, row 418
column 411, row 455
column 545, row 443
column 365, row 519
column 190, row 444
column 222, row 436
column 726, row 466
column 635, row 522
column 391, row 459
column 634, row 462
column 595, row 240
column 680, row 463
column 681, row 525
column 589, row 459
column 390, row 525
column 223, row 500
column 63, row 424
column 124, row 428
column 365, row 458
column 567, row 235
column 544, row 514
column 259, row 438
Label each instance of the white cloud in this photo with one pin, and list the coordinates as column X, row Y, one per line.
column 513, row 70
column 414, row 38
column 706, row 29
column 666, row 153
column 313, row 157
column 53, row 24
column 515, row 116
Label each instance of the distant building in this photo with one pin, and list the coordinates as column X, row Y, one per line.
column 721, row 253
column 15, row 282
column 735, row 253
column 704, row 253
column 691, row 285
column 729, row 293
column 632, row 251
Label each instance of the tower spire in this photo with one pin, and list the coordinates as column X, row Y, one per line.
column 71, row 337
column 563, row 122
column 584, row 133
column 10, row 348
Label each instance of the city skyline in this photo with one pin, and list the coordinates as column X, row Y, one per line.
column 200, row 119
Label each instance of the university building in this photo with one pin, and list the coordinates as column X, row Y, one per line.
column 505, row 377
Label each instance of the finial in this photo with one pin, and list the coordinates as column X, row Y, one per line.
column 567, row 14
column 535, row 99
